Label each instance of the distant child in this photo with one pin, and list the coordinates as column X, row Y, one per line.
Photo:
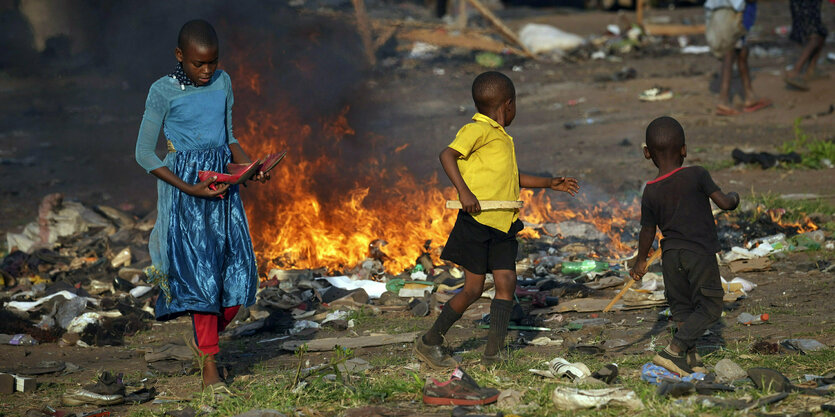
column 809, row 31
column 728, row 22
column 677, row 201
column 200, row 246
column 481, row 163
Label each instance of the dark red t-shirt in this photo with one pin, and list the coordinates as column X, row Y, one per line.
column 679, row 204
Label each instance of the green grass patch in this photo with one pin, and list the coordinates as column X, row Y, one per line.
column 815, row 152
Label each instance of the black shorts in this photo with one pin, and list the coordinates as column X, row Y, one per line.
column 479, row 248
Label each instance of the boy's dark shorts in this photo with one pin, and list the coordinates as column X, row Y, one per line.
column 479, row 248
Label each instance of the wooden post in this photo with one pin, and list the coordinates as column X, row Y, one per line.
column 364, row 30
column 461, row 20
column 639, row 11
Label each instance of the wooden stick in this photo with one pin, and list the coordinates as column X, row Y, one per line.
column 504, row 30
column 488, row 204
column 654, row 257
column 461, row 21
column 639, row 12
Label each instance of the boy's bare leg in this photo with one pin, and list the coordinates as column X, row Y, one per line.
column 473, row 287
column 817, row 42
column 745, row 76
column 813, row 45
column 455, row 307
column 725, row 83
column 500, row 310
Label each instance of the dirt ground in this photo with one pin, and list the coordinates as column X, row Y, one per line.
column 76, row 134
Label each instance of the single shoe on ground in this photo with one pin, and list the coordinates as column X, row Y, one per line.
column 81, row 396
column 108, row 390
column 460, row 389
column 559, row 367
column 676, row 364
column 434, row 356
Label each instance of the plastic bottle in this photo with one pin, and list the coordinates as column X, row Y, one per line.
column 17, row 339
column 582, row 267
column 749, row 319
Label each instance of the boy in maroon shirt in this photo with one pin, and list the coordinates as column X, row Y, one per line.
column 677, row 201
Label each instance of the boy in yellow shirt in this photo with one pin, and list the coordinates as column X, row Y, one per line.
column 481, row 163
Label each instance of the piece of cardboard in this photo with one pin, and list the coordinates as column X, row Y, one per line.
column 7, row 384
column 749, row 265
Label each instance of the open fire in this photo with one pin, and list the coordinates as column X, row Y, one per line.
column 296, row 222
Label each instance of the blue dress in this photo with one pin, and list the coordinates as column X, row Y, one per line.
column 201, row 251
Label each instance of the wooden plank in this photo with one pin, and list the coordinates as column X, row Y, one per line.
column 321, row 345
column 488, row 204
column 465, row 39
column 673, row 30
column 503, row 29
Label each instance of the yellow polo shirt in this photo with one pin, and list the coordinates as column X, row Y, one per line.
column 488, row 166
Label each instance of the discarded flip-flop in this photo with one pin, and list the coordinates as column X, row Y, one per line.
column 757, row 105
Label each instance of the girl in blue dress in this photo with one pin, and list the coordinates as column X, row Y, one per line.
column 200, row 246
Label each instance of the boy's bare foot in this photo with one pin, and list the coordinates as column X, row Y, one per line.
column 756, row 104
column 796, row 81
column 724, row 110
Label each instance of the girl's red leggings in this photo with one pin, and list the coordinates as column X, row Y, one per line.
column 207, row 326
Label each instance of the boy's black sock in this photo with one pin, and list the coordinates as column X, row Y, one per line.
column 499, row 319
column 435, row 335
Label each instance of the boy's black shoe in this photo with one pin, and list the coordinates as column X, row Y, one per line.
column 433, row 355
column 694, row 361
column 676, row 364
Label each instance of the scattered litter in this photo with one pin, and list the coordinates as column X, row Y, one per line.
column 318, row 345
column 728, row 371
column 655, row 374
column 489, row 60
column 656, row 94
column 695, row 49
column 423, row 50
column 804, row 345
column 749, row 319
column 567, row 398
column 539, row 38
column 373, row 288
column 765, row 159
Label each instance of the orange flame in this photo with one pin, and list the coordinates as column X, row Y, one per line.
column 802, row 226
column 296, row 226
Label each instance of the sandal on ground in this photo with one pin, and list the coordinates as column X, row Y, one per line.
column 726, row 111
column 757, row 105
